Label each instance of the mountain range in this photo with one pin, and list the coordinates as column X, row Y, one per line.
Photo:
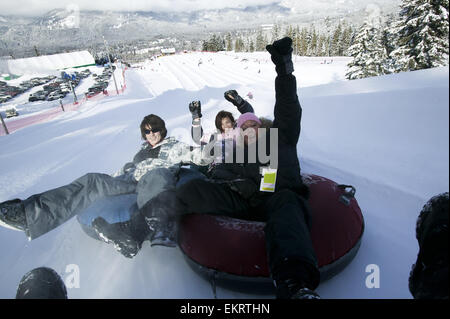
column 63, row 28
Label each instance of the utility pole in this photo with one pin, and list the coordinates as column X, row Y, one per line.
column 123, row 74
column 75, row 99
column 69, row 78
column 109, row 59
column 4, row 125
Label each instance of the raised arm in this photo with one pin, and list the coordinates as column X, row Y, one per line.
column 195, row 108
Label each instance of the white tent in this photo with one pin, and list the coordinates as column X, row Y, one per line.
column 45, row 63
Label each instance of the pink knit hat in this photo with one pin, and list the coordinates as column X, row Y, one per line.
column 249, row 116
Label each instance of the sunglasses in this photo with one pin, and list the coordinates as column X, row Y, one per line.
column 153, row 130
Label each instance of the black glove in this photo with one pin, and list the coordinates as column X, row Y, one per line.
column 281, row 55
column 233, row 97
column 195, row 108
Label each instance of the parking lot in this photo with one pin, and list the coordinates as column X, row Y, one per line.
column 30, row 94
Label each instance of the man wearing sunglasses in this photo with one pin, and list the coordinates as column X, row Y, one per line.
column 153, row 172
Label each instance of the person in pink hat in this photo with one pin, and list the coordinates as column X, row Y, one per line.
column 249, row 124
column 224, row 122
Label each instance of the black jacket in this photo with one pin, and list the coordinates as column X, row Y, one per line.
column 245, row 177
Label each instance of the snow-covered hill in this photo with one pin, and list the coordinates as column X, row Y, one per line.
column 387, row 136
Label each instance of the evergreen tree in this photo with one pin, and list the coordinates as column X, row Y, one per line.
column 238, row 44
column 303, row 42
column 215, row 43
column 322, row 45
column 289, row 32
column 229, row 42
column 346, row 40
column 335, row 41
column 388, row 41
column 260, row 42
column 368, row 54
column 251, row 46
column 275, row 32
column 205, row 45
column 423, row 31
column 297, row 41
column 312, row 43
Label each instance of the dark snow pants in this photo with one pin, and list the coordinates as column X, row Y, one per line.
column 52, row 208
column 287, row 217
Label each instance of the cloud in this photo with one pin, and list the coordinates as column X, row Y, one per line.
column 37, row 7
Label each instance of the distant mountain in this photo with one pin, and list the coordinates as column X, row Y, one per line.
column 59, row 19
column 62, row 28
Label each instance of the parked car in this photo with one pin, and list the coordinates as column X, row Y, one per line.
column 95, row 89
column 5, row 98
column 38, row 96
column 55, row 96
column 11, row 112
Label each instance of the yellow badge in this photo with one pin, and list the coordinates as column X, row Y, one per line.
column 268, row 180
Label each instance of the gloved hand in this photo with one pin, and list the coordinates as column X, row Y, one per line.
column 233, row 97
column 281, row 55
column 195, row 108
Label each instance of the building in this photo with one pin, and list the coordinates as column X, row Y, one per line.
column 46, row 63
column 168, row 51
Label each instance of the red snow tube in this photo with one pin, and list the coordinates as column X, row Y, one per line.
column 231, row 252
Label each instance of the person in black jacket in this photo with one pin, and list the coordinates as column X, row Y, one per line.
column 236, row 188
column 428, row 278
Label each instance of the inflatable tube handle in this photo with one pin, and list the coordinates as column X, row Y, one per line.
column 348, row 194
column 212, row 281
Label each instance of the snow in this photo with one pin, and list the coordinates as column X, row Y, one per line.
column 387, row 136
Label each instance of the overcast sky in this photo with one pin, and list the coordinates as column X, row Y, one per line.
column 38, row 7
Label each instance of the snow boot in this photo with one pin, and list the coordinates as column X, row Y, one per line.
column 12, row 215
column 429, row 275
column 41, row 283
column 305, row 293
column 295, row 279
column 160, row 214
column 119, row 235
column 281, row 55
column 161, row 234
column 294, row 289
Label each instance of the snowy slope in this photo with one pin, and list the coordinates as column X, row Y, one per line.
column 387, row 136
